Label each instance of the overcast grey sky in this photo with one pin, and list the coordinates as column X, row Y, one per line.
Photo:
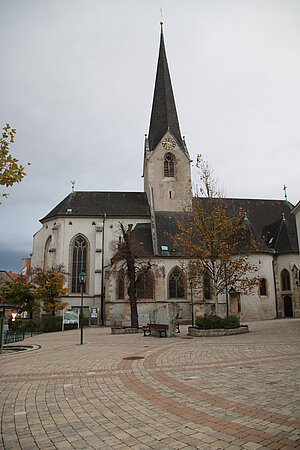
column 77, row 82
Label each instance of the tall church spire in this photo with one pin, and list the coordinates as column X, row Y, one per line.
column 167, row 172
column 164, row 114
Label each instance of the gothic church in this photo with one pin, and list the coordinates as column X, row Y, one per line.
column 79, row 232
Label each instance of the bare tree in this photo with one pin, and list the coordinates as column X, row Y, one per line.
column 134, row 259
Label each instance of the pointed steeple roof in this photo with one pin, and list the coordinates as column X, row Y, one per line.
column 283, row 239
column 164, row 114
column 249, row 235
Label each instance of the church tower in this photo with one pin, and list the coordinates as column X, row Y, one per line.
column 167, row 173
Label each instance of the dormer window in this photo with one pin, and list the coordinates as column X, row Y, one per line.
column 169, row 166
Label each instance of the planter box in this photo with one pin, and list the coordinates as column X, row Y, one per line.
column 126, row 330
column 200, row 332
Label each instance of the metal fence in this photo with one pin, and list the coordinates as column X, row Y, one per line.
column 13, row 336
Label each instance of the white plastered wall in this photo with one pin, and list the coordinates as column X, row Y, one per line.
column 63, row 231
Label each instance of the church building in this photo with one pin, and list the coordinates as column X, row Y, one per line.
column 83, row 231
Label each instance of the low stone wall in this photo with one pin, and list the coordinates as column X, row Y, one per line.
column 199, row 332
column 127, row 330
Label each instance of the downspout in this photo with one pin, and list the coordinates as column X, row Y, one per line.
column 102, row 275
column 275, row 284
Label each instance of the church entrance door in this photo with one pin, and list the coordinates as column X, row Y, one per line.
column 288, row 306
column 234, row 304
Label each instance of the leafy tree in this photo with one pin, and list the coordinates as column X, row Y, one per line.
column 134, row 259
column 216, row 240
column 49, row 287
column 20, row 294
column 10, row 171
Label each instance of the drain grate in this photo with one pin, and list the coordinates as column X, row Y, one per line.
column 132, row 358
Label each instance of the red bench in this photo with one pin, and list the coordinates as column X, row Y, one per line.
column 159, row 327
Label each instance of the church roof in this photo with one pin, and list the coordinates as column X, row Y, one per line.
column 118, row 204
column 143, row 235
column 271, row 222
column 264, row 222
column 280, row 236
column 164, row 114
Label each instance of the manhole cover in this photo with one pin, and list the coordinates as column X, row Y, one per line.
column 131, row 358
column 19, row 348
column 16, row 348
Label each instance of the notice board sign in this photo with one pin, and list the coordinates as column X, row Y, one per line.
column 71, row 316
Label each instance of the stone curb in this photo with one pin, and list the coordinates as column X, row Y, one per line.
column 198, row 332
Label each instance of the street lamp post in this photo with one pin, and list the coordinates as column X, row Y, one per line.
column 82, row 279
column 226, row 292
column 192, row 303
column 2, row 317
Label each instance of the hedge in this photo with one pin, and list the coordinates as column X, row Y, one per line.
column 210, row 322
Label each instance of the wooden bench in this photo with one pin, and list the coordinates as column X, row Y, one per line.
column 159, row 327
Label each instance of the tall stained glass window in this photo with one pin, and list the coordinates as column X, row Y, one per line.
column 79, row 260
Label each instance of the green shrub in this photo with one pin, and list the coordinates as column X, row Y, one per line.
column 50, row 324
column 26, row 325
column 231, row 322
column 210, row 322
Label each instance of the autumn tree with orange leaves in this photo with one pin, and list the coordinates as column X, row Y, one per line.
column 216, row 239
column 48, row 285
column 11, row 171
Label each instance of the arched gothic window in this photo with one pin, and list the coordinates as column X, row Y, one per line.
column 176, row 284
column 169, row 166
column 285, row 280
column 207, row 286
column 262, row 286
column 47, row 256
column 120, row 285
column 79, row 262
column 145, row 285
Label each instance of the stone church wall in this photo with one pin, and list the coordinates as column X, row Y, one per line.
column 290, row 262
column 170, row 193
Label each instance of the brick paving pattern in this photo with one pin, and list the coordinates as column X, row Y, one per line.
column 131, row 391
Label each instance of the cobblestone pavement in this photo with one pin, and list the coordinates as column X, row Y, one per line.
column 131, row 391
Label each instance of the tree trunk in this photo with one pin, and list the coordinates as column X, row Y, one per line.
column 134, row 314
column 132, row 293
column 131, row 272
column 217, row 305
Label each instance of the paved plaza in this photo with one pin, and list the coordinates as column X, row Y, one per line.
column 131, row 391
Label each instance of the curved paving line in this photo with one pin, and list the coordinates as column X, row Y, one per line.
column 195, row 416
column 161, row 376
column 222, row 402
column 224, row 364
